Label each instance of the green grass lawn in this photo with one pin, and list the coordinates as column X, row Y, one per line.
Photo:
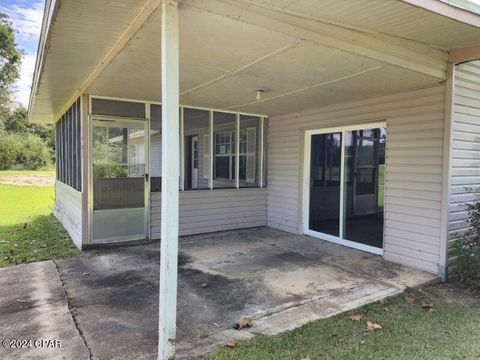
column 449, row 330
column 28, row 230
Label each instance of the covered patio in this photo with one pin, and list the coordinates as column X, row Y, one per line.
column 351, row 122
column 280, row 280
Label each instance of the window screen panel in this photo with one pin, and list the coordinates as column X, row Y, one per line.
column 118, row 108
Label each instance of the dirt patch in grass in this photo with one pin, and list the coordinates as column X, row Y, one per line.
column 453, row 292
column 28, row 180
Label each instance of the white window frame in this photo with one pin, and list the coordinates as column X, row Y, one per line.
column 232, row 154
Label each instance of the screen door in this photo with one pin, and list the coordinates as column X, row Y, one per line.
column 119, row 180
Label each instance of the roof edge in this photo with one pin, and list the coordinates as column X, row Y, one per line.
column 49, row 13
column 451, row 9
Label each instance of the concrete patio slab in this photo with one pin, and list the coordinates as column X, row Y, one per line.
column 281, row 281
column 33, row 307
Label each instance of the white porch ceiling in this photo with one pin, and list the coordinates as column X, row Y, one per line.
column 224, row 62
column 225, row 59
column 391, row 17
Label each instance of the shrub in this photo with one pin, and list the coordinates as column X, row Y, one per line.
column 466, row 250
column 9, row 150
column 28, row 152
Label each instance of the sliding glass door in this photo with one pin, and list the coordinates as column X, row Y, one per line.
column 344, row 198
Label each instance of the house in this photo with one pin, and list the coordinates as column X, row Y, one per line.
column 354, row 122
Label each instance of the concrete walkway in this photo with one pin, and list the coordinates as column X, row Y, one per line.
column 33, row 306
column 281, row 281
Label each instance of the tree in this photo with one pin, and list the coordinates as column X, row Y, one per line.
column 16, row 122
column 22, row 144
column 10, row 60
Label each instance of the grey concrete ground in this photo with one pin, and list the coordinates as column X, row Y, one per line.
column 33, row 306
column 279, row 280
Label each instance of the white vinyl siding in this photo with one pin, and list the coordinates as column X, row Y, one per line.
column 214, row 210
column 465, row 145
column 415, row 122
column 68, row 210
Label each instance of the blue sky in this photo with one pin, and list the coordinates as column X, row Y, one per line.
column 26, row 16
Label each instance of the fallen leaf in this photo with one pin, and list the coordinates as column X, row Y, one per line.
column 409, row 299
column 243, row 323
column 362, row 342
column 356, row 317
column 204, row 285
column 231, row 344
column 371, row 326
column 426, row 304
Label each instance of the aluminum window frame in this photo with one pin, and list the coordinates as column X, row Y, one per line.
column 211, row 111
column 340, row 239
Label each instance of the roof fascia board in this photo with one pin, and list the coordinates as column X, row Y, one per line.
column 395, row 51
column 49, row 13
column 448, row 10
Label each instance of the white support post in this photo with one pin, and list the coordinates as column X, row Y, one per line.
column 262, row 124
column 446, row 173
column 170, row 176
column 210, row 178
column 182, row 149
column 237, row 151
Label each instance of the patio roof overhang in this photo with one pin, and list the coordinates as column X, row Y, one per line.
column 302, row 53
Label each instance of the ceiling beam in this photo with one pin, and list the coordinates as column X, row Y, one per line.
column 122, row 41
column 399, row 52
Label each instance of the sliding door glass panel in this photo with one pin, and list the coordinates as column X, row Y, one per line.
column 118, row 167
column 364, row 186
column 325, row 183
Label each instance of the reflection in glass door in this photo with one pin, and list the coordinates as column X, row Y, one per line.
column 364, row 184
column 325, row 168
column 345, row 193
column 119, row 180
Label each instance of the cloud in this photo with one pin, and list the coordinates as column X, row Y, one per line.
column 24, row 84
column 26, row 20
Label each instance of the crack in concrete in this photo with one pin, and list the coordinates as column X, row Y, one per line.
column 70, row 306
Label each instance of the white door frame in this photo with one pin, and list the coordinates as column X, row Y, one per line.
column 306, row 185
column 115, row 121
